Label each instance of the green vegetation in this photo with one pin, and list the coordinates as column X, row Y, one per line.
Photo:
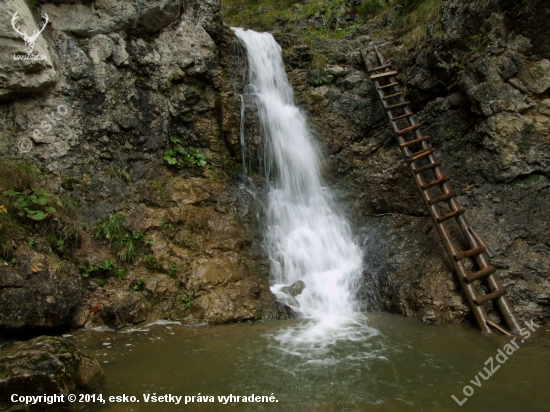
column 139, row 284
column 120, row 238
column 187, row 301
column 370, row 8
column 121, row 173
column 152, row 262
column 320, row 16
column 31, row 215
column 182, row 157
column 413, row 24
column 529, row 180
column 262, row 15
column 33, row 205
column 102, row 268
column 192, row 244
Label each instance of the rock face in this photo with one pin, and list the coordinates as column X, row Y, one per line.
column 121, row 79
column 295, row 289
column 480, row 87
column 46, row 365
column 41, row 294
column 23, row 77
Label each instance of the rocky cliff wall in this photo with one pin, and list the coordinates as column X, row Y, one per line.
column 480, row 85
column 119, row 79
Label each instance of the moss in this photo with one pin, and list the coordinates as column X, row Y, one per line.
column 529, row 180
column 30, row 214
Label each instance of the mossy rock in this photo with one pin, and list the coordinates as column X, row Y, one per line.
column 46, row 365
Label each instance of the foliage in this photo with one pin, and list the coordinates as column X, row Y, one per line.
column 31, row 215
column 262, row 15
column 321, row 16
column 181, row 157
column 102, row 267
column 121, row 173
column 173, row 270
column 187, row 301
column 121, row 240
column 370, row 8
column 412, row 26
column 139, row 284
column 319, row 62
column 32, row 204
column 152, row 262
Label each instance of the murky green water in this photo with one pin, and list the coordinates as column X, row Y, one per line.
column 405, row 366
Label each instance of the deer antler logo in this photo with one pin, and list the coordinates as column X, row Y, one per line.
column 29, row 40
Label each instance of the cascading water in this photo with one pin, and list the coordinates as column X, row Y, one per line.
column 306, row 238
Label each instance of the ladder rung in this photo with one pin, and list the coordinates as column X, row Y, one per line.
column 408, row 129
column 385, row 86
column 386, row 66
column 385, row 74
column 415, row 141
column 468, row 253
column 483, row 273
column 442, row 199
column 396, row 106
column 499, row 328
column 450, row 215
column 419, row 155
column 393, row 119
column 427, row 167
column 490, row 296
column 435, row 183
column 391, row 96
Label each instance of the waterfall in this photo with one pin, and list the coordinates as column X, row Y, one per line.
column 307, row 238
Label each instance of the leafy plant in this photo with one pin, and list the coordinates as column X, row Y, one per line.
column 152, row 262
column 187, row 301
column 121, row 173
column 106, row 265
column 165, row 224
column 34, row 206
column 12, row 262
column 173, row 270
column 88, row 270
column 139, row 284
column 180, row 157
column 120, row 238
column 102, row 267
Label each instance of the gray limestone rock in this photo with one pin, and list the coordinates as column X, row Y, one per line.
column 295, row 289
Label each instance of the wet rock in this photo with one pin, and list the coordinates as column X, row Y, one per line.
column 41, row 293
column 129, row 309
column 295, row 289
column 475, row 87
column 46, row 365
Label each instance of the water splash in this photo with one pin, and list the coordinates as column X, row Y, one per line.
column 307, row 239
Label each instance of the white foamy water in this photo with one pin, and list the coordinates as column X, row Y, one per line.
column 307, row 239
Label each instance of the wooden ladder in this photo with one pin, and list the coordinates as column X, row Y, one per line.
column 441, row 202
